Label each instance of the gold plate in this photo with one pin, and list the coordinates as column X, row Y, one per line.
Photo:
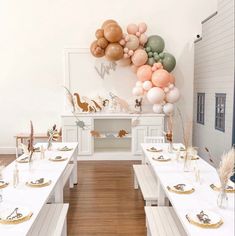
column 192, row 159
column 65, row 149
column 154, row 150
column 181, row 192
column 38, row 185
column 4, row 185
column 58, row 160
column 161, row 160
column 215, row 188
column 13, row 222
column 22, row 161
column 208, row 226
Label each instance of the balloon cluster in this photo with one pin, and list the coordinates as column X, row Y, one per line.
column 147, row 59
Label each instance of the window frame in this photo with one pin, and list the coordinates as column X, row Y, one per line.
column 220, row 103
column 201, row 108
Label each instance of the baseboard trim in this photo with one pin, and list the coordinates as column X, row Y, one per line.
column 7, row 150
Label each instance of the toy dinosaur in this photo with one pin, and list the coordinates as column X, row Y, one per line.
column 121, row 102
column 95, row 134
column 122, row 133
column 83, row 105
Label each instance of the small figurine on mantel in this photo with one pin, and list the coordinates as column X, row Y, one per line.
column 120, row 103
column 138, row 104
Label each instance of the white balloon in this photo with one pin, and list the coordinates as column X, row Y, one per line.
column 147, row 85
column 155, row 95
column 139, row 84
column 173, row 95
column 157, row 108
column 168, row 108
column 137, row 91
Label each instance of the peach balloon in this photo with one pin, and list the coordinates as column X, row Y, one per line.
column 155, row 95
column 132, row 28
column 142, row 27
column 161, row 78
column 172, row 79
column 140, row 57
column 147, row 85
column 144, row 73
column 143, row 39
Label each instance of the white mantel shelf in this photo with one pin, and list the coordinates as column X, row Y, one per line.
column 108, row 147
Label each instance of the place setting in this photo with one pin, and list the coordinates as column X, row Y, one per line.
column 57, row 158
column 65, row 149
column 154, row 149
column 3, row 184
column 10, row 215
column 181, row 188
column 161, row 158
column 38, row 182
column 230, row 187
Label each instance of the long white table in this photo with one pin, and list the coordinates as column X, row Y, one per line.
column 36, row 198
column 171, row 173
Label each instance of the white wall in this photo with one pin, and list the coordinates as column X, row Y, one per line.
column 34, row 33
column 214, row 73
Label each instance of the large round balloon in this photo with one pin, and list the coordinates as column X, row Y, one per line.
column 147, row 85
column 114, row 52
column 168, row 62
column 108, row 22
column 132, row 29
column 95, row 50
column 157, row 108
column 102, row 42
column 155, row 43
column 168, row 108
column 161, row 78
column 144, row 73
column 113, row 32
column 140, row 57
column 155, row 95
column 132, row 43
column 173, row 95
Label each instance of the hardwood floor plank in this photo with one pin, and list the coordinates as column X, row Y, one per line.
column 104, row 203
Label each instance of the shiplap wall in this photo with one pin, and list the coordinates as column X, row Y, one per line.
column 214, row 73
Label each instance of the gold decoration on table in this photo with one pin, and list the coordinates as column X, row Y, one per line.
column 39, row 183
column 58, row 158
column 15, row 216
column 3, row 184
column 204, row 220
column 161, row 158
column 153, row 149
column 181, row 189
column 229, row 189
column 65, row 149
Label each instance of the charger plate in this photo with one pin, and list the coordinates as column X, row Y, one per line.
column 58, row 158
column 230, row 187
column 161, row 159
column 6, row 211
column 187, row 189
column 216, row 220
column 37, row 184
column 153, row 149
column 3, row 184
column 23, row 159
column 65, row 149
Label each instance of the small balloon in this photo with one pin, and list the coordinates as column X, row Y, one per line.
column 168, row 109
column 102, row 42
column 168, row 62
column 142, row 27
column 151, row 61
column 133, row 42
column 147, row 85
column 95, row 50
column 143, row 39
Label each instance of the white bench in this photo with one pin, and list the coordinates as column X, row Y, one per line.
column 161, row 221
column 52, row 221
column 144, row 178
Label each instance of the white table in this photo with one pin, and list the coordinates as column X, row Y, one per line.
column 171, row 173
column 36, row 198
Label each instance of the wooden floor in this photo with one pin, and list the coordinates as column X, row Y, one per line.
column 104, row 202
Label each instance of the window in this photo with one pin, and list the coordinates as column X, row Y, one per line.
column 200, row 108
column 220, row 99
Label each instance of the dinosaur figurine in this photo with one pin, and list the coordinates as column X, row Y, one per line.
column 122, row 133
column 92, row 103
column 83, row 105
column 95, row 134
column 121, row 102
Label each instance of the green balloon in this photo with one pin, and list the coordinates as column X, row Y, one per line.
column 147, row 49
column 161, row 55
column 156, row 43
column 156, row 57
column 150, row 54
column 155, row 53
column 151, row 61
column 168, row 62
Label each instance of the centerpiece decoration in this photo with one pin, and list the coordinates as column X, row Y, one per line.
column 53, row 135
column 145, row 56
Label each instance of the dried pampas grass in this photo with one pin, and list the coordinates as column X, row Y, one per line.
column 70, row 98
column 226, row 167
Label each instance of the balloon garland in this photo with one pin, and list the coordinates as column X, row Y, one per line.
column 146, row 57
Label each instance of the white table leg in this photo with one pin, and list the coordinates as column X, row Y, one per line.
column 59, row 195
column 136, row 186
column 64, row 231
column 75, row 169
column 161, row 195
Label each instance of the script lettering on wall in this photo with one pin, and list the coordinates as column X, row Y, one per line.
column 105, row 68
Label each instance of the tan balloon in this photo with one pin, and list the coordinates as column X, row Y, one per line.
column 114, row 52
column 108, row 22
column 102, row 42
column 95, row 50
column 113, row 32
column 124, row 62
column 99, row 33
column 132, row 43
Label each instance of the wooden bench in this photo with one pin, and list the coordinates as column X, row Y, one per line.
column 144, row 178
column 161, row 221
column 52, row 221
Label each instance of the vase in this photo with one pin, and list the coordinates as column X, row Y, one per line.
column 187, row 162
column 170, row 147
column 222, row 200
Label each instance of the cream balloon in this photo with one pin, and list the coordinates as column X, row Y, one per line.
column 137, row 91
column 139, row 84
column 157, row 108
column 147, row 85
column 132, row 43
column 155, row 95
column 168, row 108
column 173, row 95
